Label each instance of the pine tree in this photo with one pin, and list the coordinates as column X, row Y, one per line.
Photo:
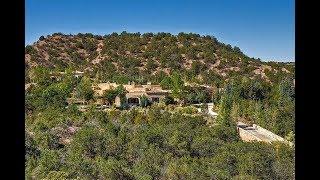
column 235, row 111
column 224, row 115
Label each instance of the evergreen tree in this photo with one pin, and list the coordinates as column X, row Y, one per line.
column 84, row 89
column 224, row 114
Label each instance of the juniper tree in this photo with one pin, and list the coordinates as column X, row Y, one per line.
column 84, row 90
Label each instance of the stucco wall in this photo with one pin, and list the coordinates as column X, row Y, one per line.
column 270, row 134
column 247, row 136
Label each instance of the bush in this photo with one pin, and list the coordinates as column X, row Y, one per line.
column 41, row 38
column 168, row 100
column 144, row 101
column 84, row 90
column 30, row 50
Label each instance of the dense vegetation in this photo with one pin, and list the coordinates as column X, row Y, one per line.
column 159, row 141
column 146, row 144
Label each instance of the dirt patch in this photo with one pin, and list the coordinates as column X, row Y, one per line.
column 285, row 70
column 260, row 71
column 267, row 67
column 46, row 55
column 217, row 63
column 28, row 61
column 180, row 45
column 27, row 58
column 231, row 69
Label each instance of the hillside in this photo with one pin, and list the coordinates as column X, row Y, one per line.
column 168, row 139
column 150, row 57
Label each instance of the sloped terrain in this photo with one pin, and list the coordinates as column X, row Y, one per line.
column 149, row 57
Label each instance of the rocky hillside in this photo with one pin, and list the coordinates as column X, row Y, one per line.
column 150, row 57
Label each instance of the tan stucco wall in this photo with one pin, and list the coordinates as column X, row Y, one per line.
column 246, row 136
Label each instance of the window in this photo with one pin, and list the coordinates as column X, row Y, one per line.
column 155, row 99
column 133, row 101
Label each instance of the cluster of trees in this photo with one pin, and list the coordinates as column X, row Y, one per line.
column 47, row 92
column 187, row 94
column 30, row 50
column 146, row 145
column 84, row 89
column 255, row 101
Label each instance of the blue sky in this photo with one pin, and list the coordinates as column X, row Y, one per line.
column 261, row 28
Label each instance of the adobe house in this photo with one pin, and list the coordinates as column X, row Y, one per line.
column 154, row 93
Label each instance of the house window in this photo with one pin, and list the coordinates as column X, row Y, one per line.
column 133, row 101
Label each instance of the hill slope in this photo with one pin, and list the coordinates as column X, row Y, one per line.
column 149, row 57
column 167, row 140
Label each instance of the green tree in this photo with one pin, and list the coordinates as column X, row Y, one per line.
column 110, row 95
column 41, row 76
column 166, row 83
column 196, row 68
column 224, row 114
column 113, row 168
column 235, row 114
column 57, row 175
column 177, row 85
column 56, row 94
column 31, row 147
column 168, row 100
column 49, row 161
column 144, row 101
column 84, row 89
column 41, row 38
